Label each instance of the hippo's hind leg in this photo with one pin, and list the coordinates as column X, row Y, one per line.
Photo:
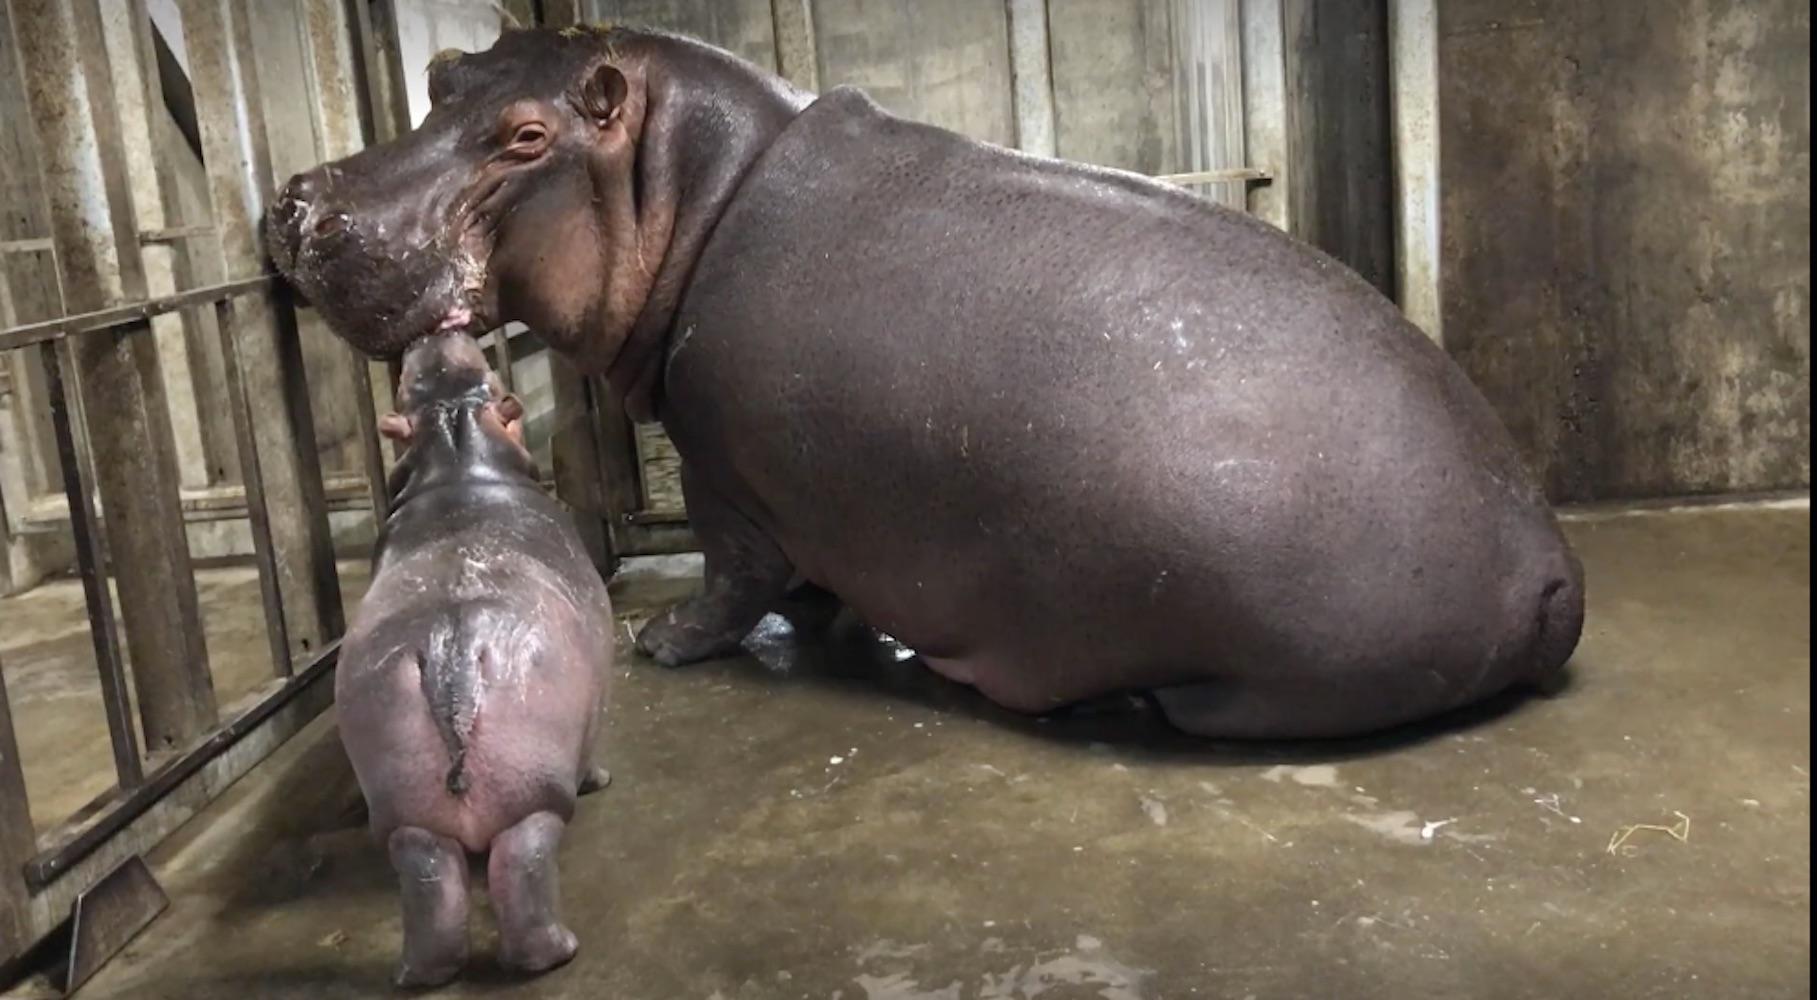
column 746, row 575
column 432, row 875
column 525, row 887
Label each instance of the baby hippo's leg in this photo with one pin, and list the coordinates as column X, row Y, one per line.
column 432, row 874
column 526, row 894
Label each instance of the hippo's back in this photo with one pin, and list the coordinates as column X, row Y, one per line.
column 1031, row 413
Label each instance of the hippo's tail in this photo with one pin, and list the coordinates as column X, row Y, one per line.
column 1561, row 618
column 450, row 672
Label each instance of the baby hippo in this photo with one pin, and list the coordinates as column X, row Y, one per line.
column 473, row 676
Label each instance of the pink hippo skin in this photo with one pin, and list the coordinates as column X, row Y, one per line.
column 472, row 679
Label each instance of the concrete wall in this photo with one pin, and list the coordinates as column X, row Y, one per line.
column 1626, row 217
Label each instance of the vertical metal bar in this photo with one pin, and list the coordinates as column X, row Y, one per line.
column 378, row 26
column 575, row 454
column 18, row 839
column 91, row 561
column 621, row 480
column 1268, row 113
column 257, row 510
column 133, row 65
column 1031, row 74
column 1413, row 39
column 224, row 75
column 98, row 256
column 562, row 13
column 797, row 55
column 332, row 84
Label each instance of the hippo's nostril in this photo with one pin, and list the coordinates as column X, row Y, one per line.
column 331, row 224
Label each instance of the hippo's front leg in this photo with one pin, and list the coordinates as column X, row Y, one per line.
column 746, row 575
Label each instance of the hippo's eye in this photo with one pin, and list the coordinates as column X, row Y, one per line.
column 528, row 139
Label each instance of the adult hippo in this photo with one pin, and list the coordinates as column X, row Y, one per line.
column 1062, row 430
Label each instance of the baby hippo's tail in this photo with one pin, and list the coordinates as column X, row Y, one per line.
column 451, row 671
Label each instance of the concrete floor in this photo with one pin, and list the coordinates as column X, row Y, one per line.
column 833, row 823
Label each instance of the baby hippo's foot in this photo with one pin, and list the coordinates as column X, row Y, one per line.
column 674, row 638
column 525, row 888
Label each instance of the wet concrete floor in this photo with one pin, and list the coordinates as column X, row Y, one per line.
column 836, row 822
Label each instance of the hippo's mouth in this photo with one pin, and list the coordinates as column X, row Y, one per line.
column 379, row 302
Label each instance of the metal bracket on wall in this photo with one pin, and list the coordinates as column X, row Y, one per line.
column 106, row 917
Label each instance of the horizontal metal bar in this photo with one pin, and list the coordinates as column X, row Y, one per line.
column 39, row 245
column 652, row 540
column 214, row 503
column 657, row 517
column 51, row 329
column 175, row 233
column 77, row 840
column 1215, row 176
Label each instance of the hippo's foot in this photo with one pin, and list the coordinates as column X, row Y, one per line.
column 525, row 886
column 593, row 779
column 673, row 639
column 432, row 877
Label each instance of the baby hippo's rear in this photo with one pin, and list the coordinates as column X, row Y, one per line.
column 472, row 679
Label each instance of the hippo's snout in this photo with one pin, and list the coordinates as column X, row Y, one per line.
column 286, row 216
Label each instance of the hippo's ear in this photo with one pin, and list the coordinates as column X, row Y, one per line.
column 395, row 426
column 603, row 95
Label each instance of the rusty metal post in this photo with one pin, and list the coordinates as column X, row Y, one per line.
column 575, row 456
column 18, row 840
column 333, row 87
column 1413, row 40
column 77, row 463
column 71, row 99
column 224, row 75
column 132, row 63
column 797, row 58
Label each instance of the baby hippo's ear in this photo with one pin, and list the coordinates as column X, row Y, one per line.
column 395, row 426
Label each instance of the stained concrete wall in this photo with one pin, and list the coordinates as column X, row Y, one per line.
column 1626, row 214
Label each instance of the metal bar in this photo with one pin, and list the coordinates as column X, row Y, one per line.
column 1413, row 39
column 620, row 473
column 253, row 479
column 654, row 540
column 384, row 60
column 136, row 313
column 91, row 562
column 1268, row 114
column 574, row 452
column 72, row 844
column 797, row 58
column 124, row 409
column 1031, row 74
column 172, row 234
column 39, row 245
column 224, row 74
column 1215, row 176
column 156, row 206
column 333, row 86
column 17, row 839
